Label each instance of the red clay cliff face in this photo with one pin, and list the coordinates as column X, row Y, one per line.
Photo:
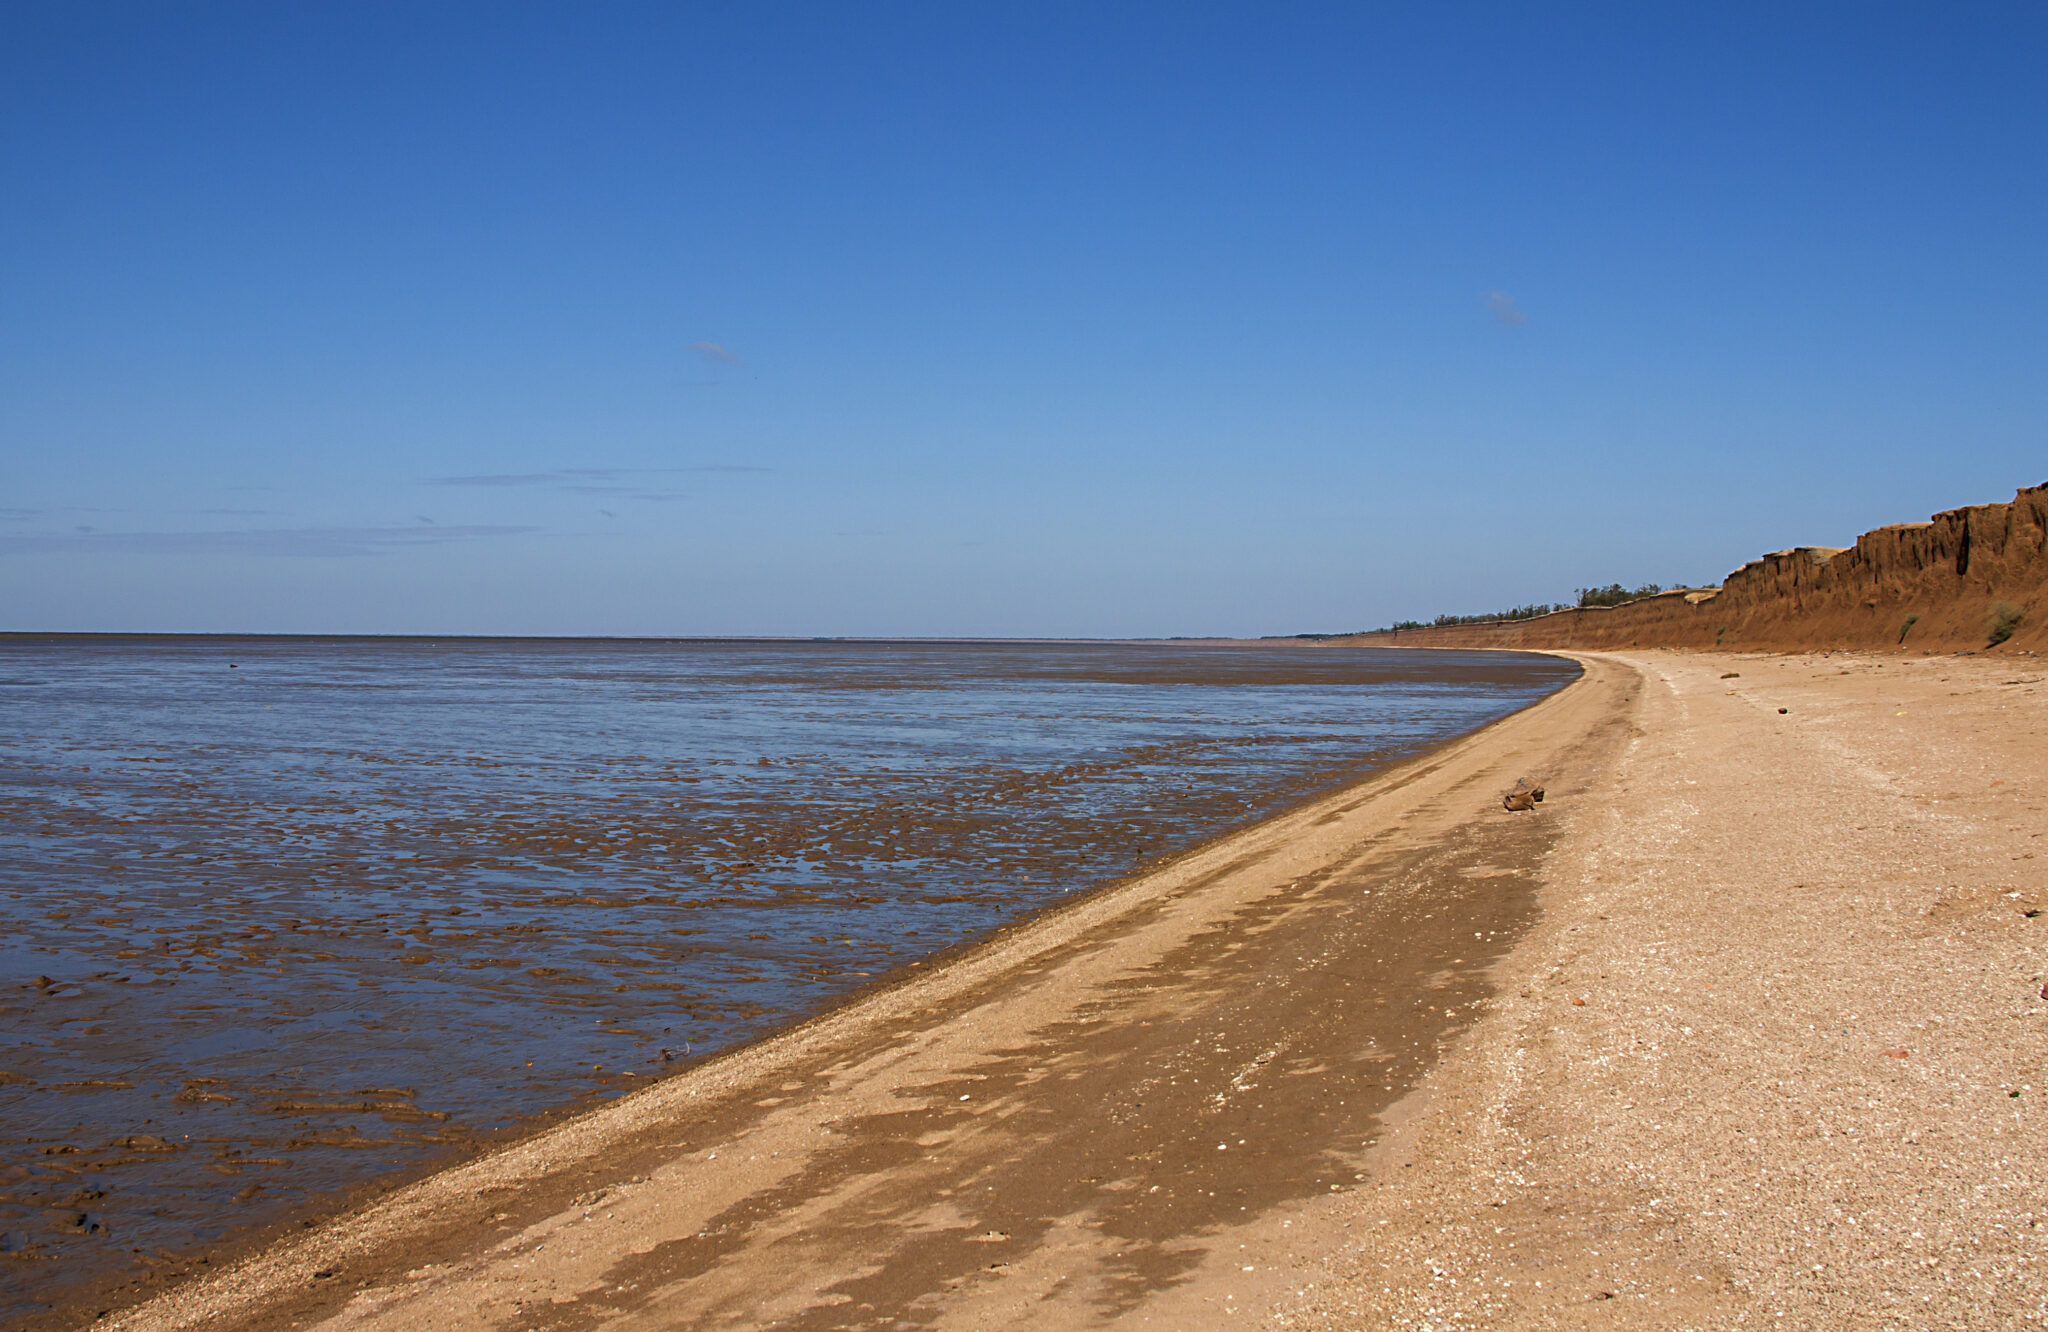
column 1936, row 585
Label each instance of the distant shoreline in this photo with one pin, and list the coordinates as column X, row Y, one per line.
column 779, row 640
column 1941, row 585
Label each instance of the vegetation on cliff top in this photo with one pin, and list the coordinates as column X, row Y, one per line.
column 1614, row 594
column 1529, row 612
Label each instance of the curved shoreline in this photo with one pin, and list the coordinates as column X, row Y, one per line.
column 620, row 1140
column 1746, row 1024
column 348, row 993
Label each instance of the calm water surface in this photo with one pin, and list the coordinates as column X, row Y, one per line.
column 281, row 915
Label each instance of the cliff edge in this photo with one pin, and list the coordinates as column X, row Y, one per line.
column 1942, row 585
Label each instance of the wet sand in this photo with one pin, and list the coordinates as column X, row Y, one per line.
column 1727, row 1031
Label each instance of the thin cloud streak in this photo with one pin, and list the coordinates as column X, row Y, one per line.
column 18, row 514
column 714, row 353
column 1505, row 309
column 601, row 480
column 295, row 542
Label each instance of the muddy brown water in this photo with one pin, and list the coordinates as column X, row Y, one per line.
column 282, row 916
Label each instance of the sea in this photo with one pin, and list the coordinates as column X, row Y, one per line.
column 281, row 917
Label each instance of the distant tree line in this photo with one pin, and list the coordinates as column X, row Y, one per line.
column 1614, row 594
column 1528, row 612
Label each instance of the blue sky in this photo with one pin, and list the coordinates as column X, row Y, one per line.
column 993, row 319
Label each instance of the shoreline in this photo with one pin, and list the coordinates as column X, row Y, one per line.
column 958, row 827
column 266, row 1275
column 1745, row 1024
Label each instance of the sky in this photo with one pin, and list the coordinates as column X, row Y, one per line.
column 993, row 319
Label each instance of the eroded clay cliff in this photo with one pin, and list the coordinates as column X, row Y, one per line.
column 1941, row 585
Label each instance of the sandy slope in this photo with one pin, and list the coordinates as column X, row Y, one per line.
column 1332, row 1072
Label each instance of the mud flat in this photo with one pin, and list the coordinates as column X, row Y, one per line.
column 284, row 919
column 1743, row 1025
column 1076, row 1117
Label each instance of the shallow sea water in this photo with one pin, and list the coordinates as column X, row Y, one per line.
column 281, row 915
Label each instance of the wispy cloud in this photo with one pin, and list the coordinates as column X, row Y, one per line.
column 498, row 479
column 714, row 354
column 1504, row 308
column 589, row 480
column 22, row 515
column 282, row 541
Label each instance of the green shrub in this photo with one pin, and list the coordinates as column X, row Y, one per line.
column 1493, row 617
column 2005, row 617
column 1490, row 617
column 1614, row 594
column 1907, row 627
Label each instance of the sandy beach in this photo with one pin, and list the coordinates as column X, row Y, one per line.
column 1023, row 667
column 1743, row 1025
